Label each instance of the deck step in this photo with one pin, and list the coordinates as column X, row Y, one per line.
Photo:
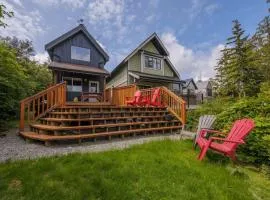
column 99, row 118
column 44, row 137
column 62, row 128
column 108, row 112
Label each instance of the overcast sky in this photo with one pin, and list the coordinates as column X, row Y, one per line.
column 193, row 31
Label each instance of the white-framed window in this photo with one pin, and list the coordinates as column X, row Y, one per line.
column 73, row 84
column 176, row 87
column 93, row 86
column 79, row 53
column 152, row 62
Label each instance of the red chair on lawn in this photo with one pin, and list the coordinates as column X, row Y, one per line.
column 136, row 100
column 155, row 99
column 239, row 131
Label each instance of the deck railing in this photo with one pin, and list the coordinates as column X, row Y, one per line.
column 174, row 103
column 39, row 104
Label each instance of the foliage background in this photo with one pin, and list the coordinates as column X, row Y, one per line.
column 19, row 77
column 257, row 147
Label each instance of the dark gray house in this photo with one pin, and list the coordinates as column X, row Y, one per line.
column 77, row 58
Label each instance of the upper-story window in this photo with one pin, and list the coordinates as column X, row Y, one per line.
column 79, row 53
column 152, row 62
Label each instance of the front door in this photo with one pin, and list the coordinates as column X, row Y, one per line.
column 93, row 87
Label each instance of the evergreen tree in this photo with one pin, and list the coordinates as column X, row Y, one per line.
column 236, row 71
column 261, row 40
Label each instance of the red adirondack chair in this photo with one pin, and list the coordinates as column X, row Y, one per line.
column 239, row 131
column 136, row 100
column 155, row 99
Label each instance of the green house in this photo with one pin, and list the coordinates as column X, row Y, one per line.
column 147, row 66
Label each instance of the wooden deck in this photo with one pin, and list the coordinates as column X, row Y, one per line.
column 51, row 118
column 79, row 137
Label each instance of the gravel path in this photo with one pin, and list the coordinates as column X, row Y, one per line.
column 13, row 147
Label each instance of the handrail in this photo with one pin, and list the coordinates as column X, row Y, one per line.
column 39, row 104
column 174, row 103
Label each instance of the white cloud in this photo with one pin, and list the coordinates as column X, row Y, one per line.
column 150, row 18
column 191, row 63
column 201, row 6
column 111, row 16
column 106, row 11
column 153, row 3
column 41, row 57
column 130, row 18
column 210, row 9
column 24, row 25
column 17, row 2
column 70, row 3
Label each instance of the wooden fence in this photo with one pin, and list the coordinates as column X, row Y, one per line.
column 117, row 96
column 38, row 105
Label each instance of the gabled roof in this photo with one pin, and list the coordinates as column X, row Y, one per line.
column 159, row 45
column 188, row 81
column 202, row 84
column 72, row 32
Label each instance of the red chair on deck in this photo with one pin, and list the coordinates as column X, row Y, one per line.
column 155, row 99
column 228, row 145
column 136, row 100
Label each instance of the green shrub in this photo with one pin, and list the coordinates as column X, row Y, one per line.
column 257, row 147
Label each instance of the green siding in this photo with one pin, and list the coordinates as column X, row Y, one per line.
column 151, row 48
column 168, row 70
column 135, row 62
column 119, row 79
column 153, row 71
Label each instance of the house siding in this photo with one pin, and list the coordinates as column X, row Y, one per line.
column 168, row 70
column 62, row 51
column 151, row 48
column 153, row 71
column 119, row 79
column 135, row 62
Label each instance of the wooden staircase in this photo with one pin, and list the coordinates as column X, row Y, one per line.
column 52, row 119
column 92, row 122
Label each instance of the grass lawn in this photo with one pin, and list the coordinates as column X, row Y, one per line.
column 157, row 170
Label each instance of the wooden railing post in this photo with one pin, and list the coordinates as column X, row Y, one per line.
column 22, row 116
column 55, row 96
column 183, row 112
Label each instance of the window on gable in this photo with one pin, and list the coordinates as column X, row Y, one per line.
column 79, row 53
column 152, row 62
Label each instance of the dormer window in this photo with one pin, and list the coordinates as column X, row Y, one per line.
column 79, row 53
column 152, row 62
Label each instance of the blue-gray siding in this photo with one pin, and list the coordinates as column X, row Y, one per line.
column 62, row 51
